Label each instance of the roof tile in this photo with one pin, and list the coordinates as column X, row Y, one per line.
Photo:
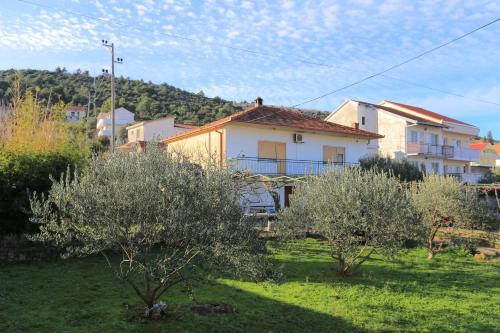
column 278, row 117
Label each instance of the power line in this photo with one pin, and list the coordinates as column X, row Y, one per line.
column 399, row 64
column 300, row 59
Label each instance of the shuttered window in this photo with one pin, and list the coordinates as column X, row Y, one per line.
column 333, row 154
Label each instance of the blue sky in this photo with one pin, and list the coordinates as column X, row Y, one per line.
column 356, row 38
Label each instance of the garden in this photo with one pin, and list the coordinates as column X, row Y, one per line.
column 151, row 241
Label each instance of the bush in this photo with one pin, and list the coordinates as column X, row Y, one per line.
column 442, row 202
column 399, row 168
column 358, row 212
column 166, row 217
column 21, row 173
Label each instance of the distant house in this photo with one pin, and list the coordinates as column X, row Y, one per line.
column 138, row 134
column 123, row 117
column 489, row 157
column 274, row 142
column 75, row 113
column 433, row 142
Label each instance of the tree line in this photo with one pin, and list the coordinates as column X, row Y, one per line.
column 146, row 99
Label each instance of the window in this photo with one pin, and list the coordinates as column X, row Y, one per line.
column 340, row 158
column 459, row 143
column 435, row 167
column 363, row 120
column 413, row 136
column 433, row 139
column 333, row 154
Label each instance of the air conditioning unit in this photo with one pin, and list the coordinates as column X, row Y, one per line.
column 297, row 138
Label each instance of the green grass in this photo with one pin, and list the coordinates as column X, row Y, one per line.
column 410, row 294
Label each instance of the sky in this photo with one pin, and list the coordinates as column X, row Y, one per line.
column 295, row 49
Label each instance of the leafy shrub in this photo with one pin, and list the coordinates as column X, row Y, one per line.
column 442, row 202
column 357, row 212
column 166, row 217
column 21, row 173
column 399, row 168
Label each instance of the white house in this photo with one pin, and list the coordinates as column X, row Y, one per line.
column 122, row 118
column 434, row 142
column 153, row 130
column 158, row 129
column 75, row 113
column 272, row 142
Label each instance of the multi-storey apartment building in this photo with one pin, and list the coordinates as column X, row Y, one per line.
column 434, row 142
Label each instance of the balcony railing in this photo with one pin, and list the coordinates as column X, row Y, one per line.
column 428, row 149
column 281, row 167
column 466, row 154
column 469, row 178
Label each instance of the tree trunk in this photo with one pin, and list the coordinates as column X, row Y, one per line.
column 342, row 266
column 430, row 253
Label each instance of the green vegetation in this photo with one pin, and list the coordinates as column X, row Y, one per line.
column 146, row 99
column 442, row 201
column 411, row 294
column 345, row 207
column 165, row 216
column 35, row 142
column 400, row 168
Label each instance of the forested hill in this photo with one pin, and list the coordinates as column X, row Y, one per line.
column 146, row 99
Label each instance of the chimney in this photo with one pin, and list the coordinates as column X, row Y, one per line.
column 355, row 125
column 258, row 101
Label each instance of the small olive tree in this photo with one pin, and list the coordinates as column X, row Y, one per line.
column 357, row 212
column 441, row 202
column 165, row 218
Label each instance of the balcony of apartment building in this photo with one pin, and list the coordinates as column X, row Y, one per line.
column 444, row 151
column 283, row 167
column 465, row 154
column 429, row 149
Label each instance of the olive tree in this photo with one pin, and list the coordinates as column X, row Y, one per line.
column 357, row 212
column 441, row 201
column 157, row 219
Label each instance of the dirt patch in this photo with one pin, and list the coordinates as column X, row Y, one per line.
column 207, row 309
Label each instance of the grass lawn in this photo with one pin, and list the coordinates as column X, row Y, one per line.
column 449, row 294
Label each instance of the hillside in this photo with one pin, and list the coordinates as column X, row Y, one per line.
column 146, row 99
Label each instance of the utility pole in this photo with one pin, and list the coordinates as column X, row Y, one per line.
column 113, row 62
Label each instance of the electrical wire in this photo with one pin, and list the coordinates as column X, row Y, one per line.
column 300, row 59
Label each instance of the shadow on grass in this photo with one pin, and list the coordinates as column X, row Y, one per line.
column 256, row 313
column 82, row 295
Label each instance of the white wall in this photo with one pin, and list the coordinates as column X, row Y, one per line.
column 353, row 112
column 242, row 140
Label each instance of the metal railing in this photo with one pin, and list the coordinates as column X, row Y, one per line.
column 429, row 149
column 282, row 167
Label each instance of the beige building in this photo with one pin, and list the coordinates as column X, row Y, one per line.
column 434, row 142
column 267, row 141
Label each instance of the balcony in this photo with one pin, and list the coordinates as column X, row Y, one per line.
column 469, row 178
column 465, row 154
column 278, row 167
column 427, row 149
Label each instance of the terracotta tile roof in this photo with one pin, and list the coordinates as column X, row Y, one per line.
column 278, row 117
column 428, row 113
column 75, row 108
column 403, row 114
column 478, row 145
column 185, row 125
column 497, row 148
